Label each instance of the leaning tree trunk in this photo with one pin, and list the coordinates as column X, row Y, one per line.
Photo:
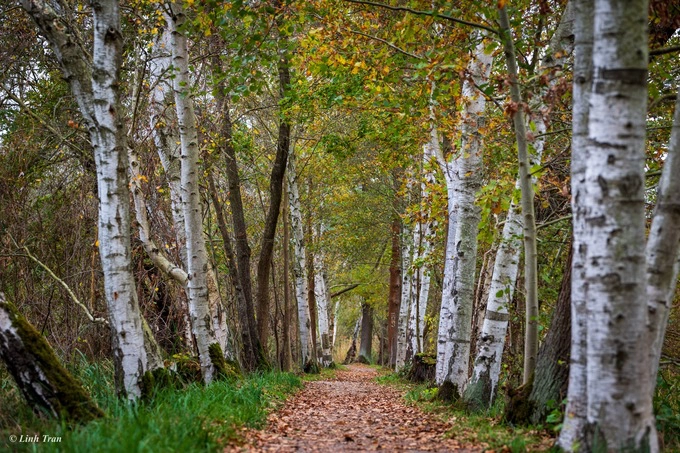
column 662, row 246
column 619, row 414
column 45, row 383
column 95, row 85
column 197, row 256
column 463, row 181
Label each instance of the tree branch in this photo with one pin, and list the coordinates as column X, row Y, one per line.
column 344, row 290
column 660, row 50
column 398, row 49
column 426, row 13
column 62, row 283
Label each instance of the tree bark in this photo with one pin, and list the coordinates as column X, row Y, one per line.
column 527, row 203
column 275, row 194
column 463, row 181
column 366, row 343
column 619, row 408
column 47, row 386
column 406, row 288
column 662, row 247
column 287, row 359
column 300, row 262
column 572, row 435
column 394, row 294
column 95, row 85
column 197, row 255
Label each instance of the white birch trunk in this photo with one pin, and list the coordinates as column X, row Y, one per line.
column 95, row 87
column 463, row 181
column 486, row 372
column 483, row 384
column 619, row 386
column 197, row 256
column 322, row 304
column 573, row 429
column 299, row 260
column 406, row 288
column 662, row 246
column 164, row 129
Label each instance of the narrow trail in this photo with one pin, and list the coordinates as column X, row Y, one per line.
column 351, row 413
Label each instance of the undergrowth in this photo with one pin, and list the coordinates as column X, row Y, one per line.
column 485, row 429
column 667, row 408
column 194, row 418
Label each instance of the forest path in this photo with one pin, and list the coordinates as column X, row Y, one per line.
column 351, row 412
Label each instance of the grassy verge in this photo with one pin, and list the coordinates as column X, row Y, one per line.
column 194, row 418
column 485, row 430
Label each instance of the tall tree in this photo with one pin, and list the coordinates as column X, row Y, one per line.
column 463, row 175
column 197, row 255
column 573, row 430
column 95, row 84
column 619, row 409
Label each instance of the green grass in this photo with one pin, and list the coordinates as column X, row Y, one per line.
column 195, row 418
column 484, row 429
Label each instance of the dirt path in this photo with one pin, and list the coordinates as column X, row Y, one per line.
column 351, row 413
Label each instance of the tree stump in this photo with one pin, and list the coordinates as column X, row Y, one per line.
column 423, row 369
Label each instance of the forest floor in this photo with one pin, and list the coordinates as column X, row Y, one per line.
column 351, row 412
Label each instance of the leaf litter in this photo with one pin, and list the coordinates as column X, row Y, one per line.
column 351, row 412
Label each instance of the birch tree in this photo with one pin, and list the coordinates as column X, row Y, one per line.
column 463, row 181
column 95, row 85
column 197, row 255
column 619, row 409
column 299, row 259
column 573, row 429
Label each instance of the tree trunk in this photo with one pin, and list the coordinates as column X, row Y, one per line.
column 662, row 246
column 406, row 288
column 300, row 262
column 552, row 370
column 197, row 266
column 352, row 351
column 275, row 195
column 94, row 83
column 45, row 383
column 287, row 359
column 394, row 294
column 248, row 351
column 366, row 344
column 619, row 413
column 572, row 435
column 528, row 217
column 463, row 181
column 322, row 303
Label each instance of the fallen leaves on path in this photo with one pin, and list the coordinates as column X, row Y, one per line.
column 351, row 413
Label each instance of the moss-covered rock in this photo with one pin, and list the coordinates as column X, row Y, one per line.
column 45, row 383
